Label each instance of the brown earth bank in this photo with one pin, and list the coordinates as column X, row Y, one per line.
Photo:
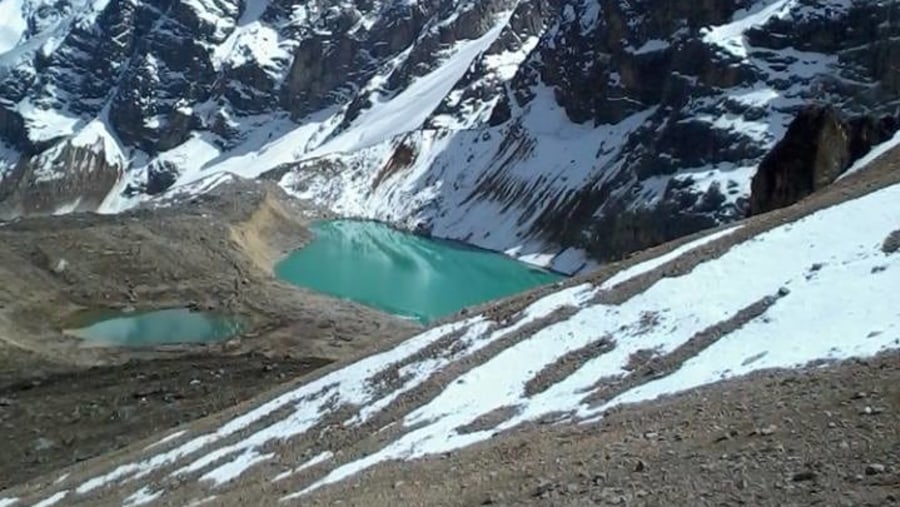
column 62, row 402
column 816, row 436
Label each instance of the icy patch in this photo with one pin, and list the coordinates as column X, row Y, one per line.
column 8, row 502
column 202, row 501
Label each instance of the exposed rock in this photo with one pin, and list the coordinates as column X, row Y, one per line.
column 814, row 151
column 74, row 176
column 875, row 469
column 818, row 147
column 605, row 126
column 891, row 243
column 806, row 475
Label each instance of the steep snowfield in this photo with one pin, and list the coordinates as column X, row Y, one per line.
column 813, row 289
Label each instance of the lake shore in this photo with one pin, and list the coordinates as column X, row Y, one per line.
column 216, row 254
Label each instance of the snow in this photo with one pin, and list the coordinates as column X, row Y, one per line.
column 52, row 499
column 505, row 65
column 13, row 24
column 165, row 440
column 8, row 502
column 142, row 496
column 9, row 157
column 758, row 97
column 876, row 152
column 315, row 460
column 253, row 42
column 68, row 208
column 652, row 46
column 408, row 110
column 845, row 286
column 655, row 262
column 47, row 124
column 760, row 131
column 572, row 261
column 99, row 136
column 235, row 467
column 730, row 36
column 202, row 501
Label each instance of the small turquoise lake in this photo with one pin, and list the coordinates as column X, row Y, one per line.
column 402, row 273
column 144, row 329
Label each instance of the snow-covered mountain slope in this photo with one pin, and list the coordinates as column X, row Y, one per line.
column 531, row 126
column 800, row 286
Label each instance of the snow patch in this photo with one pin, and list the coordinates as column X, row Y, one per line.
column 730, row 36
column 52, row 499
column 142, row 496
column 655, row 262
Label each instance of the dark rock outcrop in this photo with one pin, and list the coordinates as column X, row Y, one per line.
column 814, row 151
column 818, row 147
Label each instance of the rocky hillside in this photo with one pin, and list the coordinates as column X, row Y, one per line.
column 755, row 296
column 551, row 129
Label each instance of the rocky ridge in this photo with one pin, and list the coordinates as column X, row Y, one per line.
column 553, row 130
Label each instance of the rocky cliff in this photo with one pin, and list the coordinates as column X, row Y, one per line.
column 555, row 130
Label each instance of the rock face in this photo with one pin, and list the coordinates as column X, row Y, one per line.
column 581, row 127
column 68, row 178
column 817, row 148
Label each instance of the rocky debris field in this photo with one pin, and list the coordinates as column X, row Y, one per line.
column 700, row 369
column 816, row 436
column 62, row 403
column 49, row 421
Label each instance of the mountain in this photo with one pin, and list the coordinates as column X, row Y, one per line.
column 556, row 130
column 759, row 295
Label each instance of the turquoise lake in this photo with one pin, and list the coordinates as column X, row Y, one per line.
column 138, row 329
column 404, row 274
